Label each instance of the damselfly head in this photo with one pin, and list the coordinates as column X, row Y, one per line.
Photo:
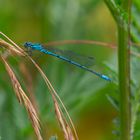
column 28, row 44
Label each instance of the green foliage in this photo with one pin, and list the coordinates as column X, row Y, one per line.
column 80, row 91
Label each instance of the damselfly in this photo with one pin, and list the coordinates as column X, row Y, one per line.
column 64, row 55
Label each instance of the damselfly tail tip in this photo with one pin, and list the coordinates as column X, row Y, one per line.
column 106, row 78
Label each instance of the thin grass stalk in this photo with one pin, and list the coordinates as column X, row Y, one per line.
column 124, row 73
column 54, row 94
column 62, row 121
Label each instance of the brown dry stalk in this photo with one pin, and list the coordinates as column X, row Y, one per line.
column 87, row 42
column 90, row 42
column 10, row 47
column 54, row 94
column 29, row 84
column 14, row 44
column 24, row 99
column 64, row 125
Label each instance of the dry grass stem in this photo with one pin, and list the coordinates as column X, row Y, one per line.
column 54, row 94
column 87, row 42
column 14, row 44
column 10, row 48
column 24, row 99
column 64, row 125
column 29, row 83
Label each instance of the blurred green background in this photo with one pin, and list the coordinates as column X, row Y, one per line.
column 83, row 93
